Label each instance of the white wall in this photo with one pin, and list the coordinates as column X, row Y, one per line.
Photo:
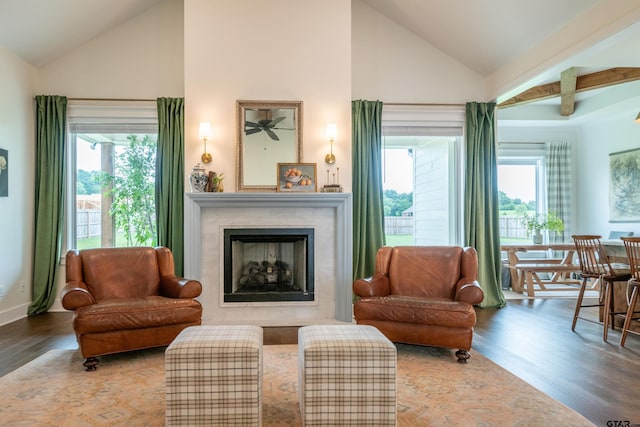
column 142, row 59
column 281, row 50
column 596, row 141
column 16, row 211
column 393, row 65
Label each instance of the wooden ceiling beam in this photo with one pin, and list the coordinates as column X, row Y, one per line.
column 536, row 93
column 568, row 91
column 599, row 79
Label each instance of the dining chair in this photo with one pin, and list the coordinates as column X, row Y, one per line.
column 595, row 264
column 632, row 247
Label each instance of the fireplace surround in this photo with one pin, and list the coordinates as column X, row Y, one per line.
column 207, row 215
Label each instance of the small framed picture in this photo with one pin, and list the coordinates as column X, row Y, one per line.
column 297, row 177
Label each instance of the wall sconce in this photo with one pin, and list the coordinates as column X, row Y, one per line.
column 205, row 133
column 638, row 118
column 332, row 133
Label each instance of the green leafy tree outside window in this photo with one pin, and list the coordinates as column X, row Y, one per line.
column 396, row 203
column 88, row 182
column 133, row 191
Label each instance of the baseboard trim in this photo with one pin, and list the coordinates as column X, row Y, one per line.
column 13, row 314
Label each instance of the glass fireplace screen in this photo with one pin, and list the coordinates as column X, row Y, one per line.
column 268, row 264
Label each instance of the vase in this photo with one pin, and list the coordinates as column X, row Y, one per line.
column 198, row 179
column 537, row 239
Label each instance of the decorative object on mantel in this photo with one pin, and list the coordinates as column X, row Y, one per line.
column 334, row 185
column 538, row 222
column 297, row 177
column 332, row 133
column 4, row 173
column 205, row 133
column 214, row 183
column 198, row 179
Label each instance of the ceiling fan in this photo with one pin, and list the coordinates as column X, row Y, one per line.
column 267, row 125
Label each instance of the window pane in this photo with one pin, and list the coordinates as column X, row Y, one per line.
column 518, row 195
column 397, row 184
column 420, row 189
column 114, row 190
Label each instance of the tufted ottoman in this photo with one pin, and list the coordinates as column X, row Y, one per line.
column 346, row 376
column 214, row 376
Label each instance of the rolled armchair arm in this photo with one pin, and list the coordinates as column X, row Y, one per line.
column 75, row 295
column 178, row 287
column 375, row 286
column 469, row 290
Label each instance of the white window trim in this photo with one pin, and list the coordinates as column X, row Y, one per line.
column 100, row 117
column 527, row 154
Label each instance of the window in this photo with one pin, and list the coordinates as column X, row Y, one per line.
column 111, row 184
column 421, row 175
column 521, row 188
column 397, row 181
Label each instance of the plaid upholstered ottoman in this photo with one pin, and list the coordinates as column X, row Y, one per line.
column 214, row 377
column 346, row 376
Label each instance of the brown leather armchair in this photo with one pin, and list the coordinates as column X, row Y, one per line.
column 127, row 299
column 422, row 295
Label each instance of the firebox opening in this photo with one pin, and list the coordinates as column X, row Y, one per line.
column 268, row 264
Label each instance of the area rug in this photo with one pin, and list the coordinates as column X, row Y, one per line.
column 128, row 390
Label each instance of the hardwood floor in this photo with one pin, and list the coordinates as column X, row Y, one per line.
column 530, row 338
column 533, row 340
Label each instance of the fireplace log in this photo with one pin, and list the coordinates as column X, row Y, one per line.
column 266, row 277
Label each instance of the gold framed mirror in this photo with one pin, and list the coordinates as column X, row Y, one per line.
column 269, row 132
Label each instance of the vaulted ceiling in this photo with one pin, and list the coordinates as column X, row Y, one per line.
column 39, row 31
column 488, row 37
column 485, row 36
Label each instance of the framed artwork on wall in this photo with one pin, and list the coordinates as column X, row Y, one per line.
column 624, row 186
column 4, row 173
column 297, row 177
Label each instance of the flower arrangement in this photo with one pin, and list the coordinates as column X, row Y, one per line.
column 538, row 222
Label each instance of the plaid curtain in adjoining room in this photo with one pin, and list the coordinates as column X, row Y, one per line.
column 559, row 185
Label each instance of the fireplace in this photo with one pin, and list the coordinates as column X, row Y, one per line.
column 268, row 264
column 207, row 215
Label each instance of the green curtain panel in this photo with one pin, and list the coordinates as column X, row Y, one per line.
column 481, row 226
column 170, row 178
column 368, row 208
column 51, row 116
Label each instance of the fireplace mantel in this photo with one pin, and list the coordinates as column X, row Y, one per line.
column 237, row 209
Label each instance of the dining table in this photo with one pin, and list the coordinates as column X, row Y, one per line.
column 528, row 273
